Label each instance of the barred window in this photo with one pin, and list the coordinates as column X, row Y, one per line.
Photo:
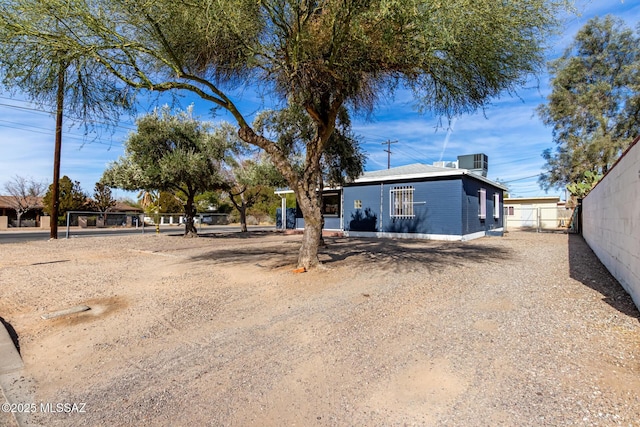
column 482, row 203
column 357, row 204
column 401, row 202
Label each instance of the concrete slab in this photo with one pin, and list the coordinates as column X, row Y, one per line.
column 66, row 312
column 7, row 419
column 10, row 360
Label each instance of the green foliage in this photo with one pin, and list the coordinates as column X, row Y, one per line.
column 343, row 159
column 250, row 182
column 168, row 153
column 72, row 198
column 34, row 50
column 267, row 205
column 454, row 54
column 102, row 198
column 174, row 154
column 170, row 203
column 149, row 201
column 212, row 201
column 594, row 107
column 582, row 188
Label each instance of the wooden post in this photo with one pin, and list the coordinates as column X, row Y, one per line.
column 55, row 194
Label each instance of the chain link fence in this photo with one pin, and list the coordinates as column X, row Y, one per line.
column 139, row 221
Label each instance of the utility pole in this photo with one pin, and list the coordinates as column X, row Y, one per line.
column 55, row 194
column 388, row 151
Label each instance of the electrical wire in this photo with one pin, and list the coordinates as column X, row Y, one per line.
column 522, row 179
column 42, row 111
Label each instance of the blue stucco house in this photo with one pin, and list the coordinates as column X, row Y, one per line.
column 415, row 201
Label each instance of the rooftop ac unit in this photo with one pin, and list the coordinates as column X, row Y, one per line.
column 476, row 163
column 446, row 164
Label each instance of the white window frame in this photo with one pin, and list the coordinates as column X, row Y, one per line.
column 496, row 205
column 482, row 203
column 401, row 202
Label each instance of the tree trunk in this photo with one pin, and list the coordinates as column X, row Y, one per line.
column 305, row 186
column 243, row 217
column 321, row 242
column 190, row 229
column 309, row 204
column 19, row 218
column 241, row 208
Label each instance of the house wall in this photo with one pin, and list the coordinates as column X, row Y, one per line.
column 368, row 217
column 437, row 208
column 330, row 222
column 471, row 221
column 444, row 208
column 611, row 221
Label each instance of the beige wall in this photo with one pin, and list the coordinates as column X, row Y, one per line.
column 532, row 212
column 4, row 222
column 611, row 221
column 45, row 222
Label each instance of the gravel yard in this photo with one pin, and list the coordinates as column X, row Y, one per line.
column 524, row 330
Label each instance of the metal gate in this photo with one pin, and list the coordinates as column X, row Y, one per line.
column 529, row 217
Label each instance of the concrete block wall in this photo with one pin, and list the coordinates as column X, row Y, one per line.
column 611, row 221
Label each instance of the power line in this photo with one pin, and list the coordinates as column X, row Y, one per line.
column 515, row 161
column 82, row 139
column 521, row 179
column 410, row 156
column 42, row 111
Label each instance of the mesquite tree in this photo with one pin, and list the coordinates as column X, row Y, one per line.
column 342, row 160
column 249, row 181
column 322, row 56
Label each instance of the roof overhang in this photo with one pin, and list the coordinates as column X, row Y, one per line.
column 541, row 199
column 284, row 191
column 421, row 175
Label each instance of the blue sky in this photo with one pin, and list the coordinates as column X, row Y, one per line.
column 508, row 130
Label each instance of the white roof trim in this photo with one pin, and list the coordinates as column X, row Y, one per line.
column 412, row 176
column 282, row 191
column 409, row 176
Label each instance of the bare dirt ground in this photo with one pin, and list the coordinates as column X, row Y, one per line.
column 524, row 330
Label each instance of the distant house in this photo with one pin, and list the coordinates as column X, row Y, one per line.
column 29, row 218
column 415, row 201
column 124, row 207
column 32, row 217
column 536, row 212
